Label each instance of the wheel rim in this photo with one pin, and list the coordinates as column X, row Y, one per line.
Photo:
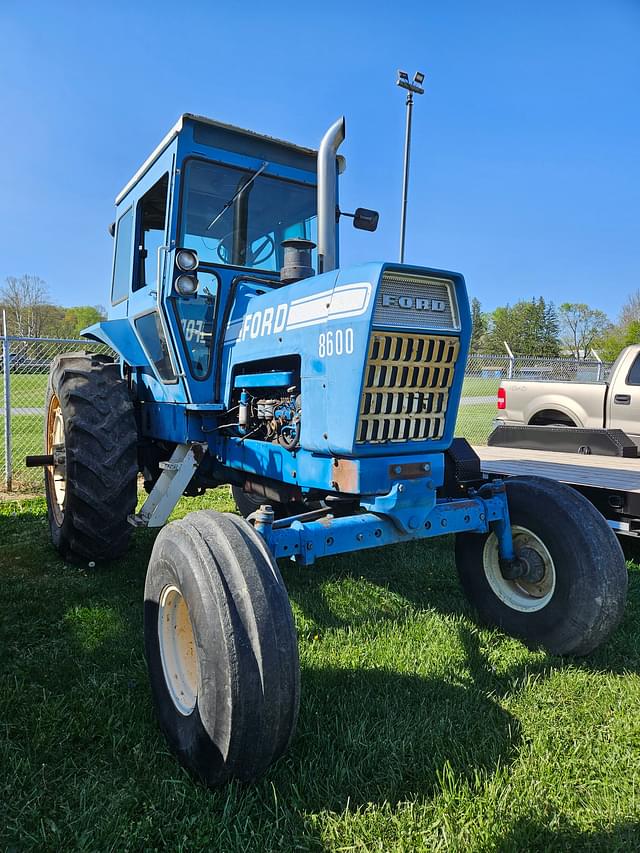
column 178, row 650
column 55, row 445
column 519, row 594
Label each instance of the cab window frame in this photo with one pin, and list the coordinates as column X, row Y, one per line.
column 213, row 349
column 138, row 260
column 128, row 277
column 183, row 172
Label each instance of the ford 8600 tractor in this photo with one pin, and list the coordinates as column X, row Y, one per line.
column 326, row 397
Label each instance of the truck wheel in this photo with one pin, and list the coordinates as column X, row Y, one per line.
column 580, row 595
column 248, row 503
column 221, row 647
column 90, row 429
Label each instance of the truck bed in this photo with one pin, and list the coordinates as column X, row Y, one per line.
column 604, row 472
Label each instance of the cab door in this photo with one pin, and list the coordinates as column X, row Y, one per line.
column 146, row 309
column 623, row 398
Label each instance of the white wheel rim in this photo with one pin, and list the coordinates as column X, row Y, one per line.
column 519, row 594
column 178, row 650
column 56, row 445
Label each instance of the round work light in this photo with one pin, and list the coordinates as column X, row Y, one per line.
column 187, row 260
column 186, row 285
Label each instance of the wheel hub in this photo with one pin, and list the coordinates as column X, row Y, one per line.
column 178, row 650
column 529, row 583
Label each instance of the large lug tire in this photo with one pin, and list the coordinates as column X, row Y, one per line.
column 221, row 647
column 90, row 428
column 580, row 598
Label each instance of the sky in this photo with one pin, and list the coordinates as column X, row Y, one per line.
column 525, row 170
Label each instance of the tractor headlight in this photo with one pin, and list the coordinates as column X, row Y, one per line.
column 186, row 260
column 186, row 285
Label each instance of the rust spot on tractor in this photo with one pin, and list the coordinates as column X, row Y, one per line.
column 346, row 476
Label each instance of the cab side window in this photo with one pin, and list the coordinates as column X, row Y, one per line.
column 633, row 377
column 122, row 258
column 150, row 233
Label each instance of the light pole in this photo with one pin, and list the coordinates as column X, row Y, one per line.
column 412, row 88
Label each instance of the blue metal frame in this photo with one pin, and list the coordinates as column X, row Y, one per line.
column 391, row 520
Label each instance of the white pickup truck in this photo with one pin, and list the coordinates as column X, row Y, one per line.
column 595, row 405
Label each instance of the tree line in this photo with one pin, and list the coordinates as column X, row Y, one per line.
column 30, row 312
column 531, row 327
column 536, row 327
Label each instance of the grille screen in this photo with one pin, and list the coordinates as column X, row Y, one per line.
column 414, row 302
column 406, row 387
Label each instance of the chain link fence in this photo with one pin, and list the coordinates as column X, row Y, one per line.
column 24, row 387
column 24, row 370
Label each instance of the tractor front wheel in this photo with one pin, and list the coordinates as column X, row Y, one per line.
column 576, row 593
column 221, row 647
column 90, row 431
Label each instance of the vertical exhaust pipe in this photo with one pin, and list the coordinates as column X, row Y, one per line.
column 327, row 200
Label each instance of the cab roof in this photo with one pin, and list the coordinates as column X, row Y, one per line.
column 179, row 125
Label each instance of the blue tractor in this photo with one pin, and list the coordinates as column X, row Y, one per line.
column 326, row 397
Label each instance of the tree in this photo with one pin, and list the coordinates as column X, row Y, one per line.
column 617, row 339
column 478, row 325
column 78, row 318
column 630, row 311
column 582, row 327
column 24, row 299
column 529, row 327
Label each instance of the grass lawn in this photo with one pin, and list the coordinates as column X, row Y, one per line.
column 474, row 422
column 418, row 730
column 28, row 389
column 478, row 386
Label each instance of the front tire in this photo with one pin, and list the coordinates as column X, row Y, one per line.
column 221, row 647
column 90, row 429
column 580, row 596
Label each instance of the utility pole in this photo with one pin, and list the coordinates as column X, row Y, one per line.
column 413, row 88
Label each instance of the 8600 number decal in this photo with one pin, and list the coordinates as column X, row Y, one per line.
column 332, row 343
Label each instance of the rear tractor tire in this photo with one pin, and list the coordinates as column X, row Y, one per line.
column 90, row 429
column 221, row 647
column 578, row 593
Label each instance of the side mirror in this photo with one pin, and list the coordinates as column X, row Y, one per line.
column 112, row 229
column 365, row 220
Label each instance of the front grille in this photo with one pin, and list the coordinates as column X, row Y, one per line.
column 406, row 387
column 405, row 301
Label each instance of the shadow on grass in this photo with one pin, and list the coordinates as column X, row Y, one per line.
column 423, row 574
column 535, row 836
column 370, row 736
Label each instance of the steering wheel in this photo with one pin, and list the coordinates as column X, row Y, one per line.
column 255, row 257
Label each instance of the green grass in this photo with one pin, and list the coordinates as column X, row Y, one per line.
column 418, row 730
column 477, row 386
column 474, row 422
column 28, row 389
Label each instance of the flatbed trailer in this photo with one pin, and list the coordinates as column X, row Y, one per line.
column 611, row 483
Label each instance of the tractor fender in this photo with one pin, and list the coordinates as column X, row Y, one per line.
column 119, row 335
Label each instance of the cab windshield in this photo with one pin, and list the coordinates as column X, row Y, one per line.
column 239, row 217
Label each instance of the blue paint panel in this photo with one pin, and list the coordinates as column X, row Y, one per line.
column 275, row 379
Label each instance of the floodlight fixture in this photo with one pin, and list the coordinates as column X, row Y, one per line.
column 413, row 88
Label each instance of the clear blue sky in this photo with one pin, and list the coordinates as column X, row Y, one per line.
column 526, row 155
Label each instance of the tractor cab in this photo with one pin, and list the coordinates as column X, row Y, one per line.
column 216, row 213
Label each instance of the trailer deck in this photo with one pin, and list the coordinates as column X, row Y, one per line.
column 612, row 483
